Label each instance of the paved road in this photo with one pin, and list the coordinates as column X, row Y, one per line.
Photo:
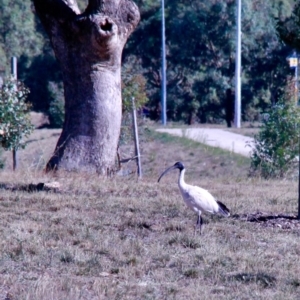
column 233, row 142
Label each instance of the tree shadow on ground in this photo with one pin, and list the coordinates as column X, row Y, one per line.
column 31, row 187
column 266, row 220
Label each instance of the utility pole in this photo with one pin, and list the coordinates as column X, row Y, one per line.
column 298, row 216
column 296, row 80
column 163, row 68
column 13, row 66
column 294, row 63
column 237, row 105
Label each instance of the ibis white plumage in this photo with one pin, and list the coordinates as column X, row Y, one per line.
column 196, row 198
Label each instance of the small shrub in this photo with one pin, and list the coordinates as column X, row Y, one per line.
column 15, row 123
column 276, row 146
column 132, row 87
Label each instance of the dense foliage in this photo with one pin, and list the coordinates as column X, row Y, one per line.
column 15, row 123
column 200, row 42
column 18, row 34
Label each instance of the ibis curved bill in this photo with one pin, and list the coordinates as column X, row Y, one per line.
column 197, row 198
column 166, row 171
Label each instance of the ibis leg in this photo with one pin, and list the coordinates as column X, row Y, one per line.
column 199, row 223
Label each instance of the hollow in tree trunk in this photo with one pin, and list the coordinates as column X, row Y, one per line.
column 88, row 47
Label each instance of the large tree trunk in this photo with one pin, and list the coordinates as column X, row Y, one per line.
column 88, row 47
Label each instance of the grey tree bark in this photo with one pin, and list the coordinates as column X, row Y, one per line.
column 88, row 47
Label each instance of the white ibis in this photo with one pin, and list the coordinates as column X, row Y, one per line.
column 196, row 198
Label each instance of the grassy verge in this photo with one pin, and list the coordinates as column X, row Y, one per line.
column 163, row 150
column 120, row 238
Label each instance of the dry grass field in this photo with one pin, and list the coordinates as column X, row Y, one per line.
column 120, row 238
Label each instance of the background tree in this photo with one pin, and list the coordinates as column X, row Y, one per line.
column 288, row 28
column 200, row 66
column 88, row 47
column 18, row 36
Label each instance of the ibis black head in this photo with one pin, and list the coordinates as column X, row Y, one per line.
column 179, row 165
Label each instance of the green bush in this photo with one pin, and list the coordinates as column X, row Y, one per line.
column 276, row 146
column 15, row 123
column 133, row 86
column 2, row 161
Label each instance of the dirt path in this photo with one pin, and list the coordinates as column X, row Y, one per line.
column 233, row 142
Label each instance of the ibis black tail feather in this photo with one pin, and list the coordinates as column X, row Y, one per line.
column 223, row 210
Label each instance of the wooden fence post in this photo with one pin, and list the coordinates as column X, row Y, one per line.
column 14, row 74
column 136, row 139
